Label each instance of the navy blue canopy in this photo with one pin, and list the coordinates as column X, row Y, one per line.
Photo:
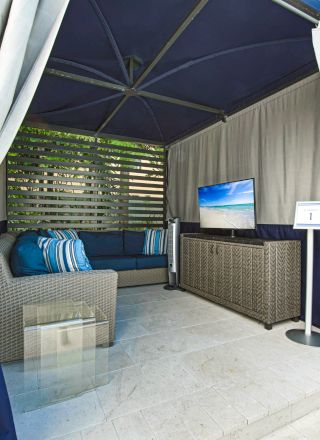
column 157, row 70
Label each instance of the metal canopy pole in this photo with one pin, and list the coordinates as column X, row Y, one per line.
column 85, row 79
column 296, row 10
column 182, row 27
column 307, row 337
column 180, row 102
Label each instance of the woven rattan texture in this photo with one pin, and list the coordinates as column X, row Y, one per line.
column 142, row 277
column 97, row 287
column 261, row 281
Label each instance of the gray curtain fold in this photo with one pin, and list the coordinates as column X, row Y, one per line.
column 276, row 141
column 28, row 29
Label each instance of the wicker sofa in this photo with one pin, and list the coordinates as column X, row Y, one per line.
column 97, row 287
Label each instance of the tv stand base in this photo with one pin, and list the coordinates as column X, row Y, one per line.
column 256, row 277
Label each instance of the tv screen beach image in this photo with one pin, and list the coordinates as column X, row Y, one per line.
column 227, row 205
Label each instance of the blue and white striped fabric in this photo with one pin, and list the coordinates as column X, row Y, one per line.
column 155, row 242
column 64, row 234
column 64, row 255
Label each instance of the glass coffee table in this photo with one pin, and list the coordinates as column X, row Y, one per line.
column 64, row 346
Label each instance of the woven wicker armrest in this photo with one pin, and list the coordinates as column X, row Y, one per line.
column 96, row 287
column 82, row 279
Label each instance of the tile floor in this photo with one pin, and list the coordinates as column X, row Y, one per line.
column 184, row 368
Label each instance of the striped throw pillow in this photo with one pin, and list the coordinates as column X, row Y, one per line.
column 63, row 234
column 155, row 242
column 64, row 255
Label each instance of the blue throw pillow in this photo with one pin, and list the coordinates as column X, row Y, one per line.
column 64, row 255
column 63, row 234
column 26, row 258
column 155, row 242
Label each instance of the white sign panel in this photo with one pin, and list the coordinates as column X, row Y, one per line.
column 307, row 215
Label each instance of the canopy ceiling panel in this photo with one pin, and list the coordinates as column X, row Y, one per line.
column 159, row 70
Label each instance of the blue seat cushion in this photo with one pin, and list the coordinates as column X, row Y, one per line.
column 151, row 261
column 133, row 242
column 26, row 257
column 116, row 262
column 7, row 429
column 100, row 244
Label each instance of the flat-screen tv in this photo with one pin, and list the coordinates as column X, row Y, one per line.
column 229, row 205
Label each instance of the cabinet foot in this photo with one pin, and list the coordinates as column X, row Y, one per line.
column 268, row 326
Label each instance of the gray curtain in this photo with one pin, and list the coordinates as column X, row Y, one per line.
column 276, row 141
column 28, row 29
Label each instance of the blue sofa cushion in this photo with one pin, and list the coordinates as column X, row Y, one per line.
column 26, row 257
column 7, row 429
column 28, row 233
column 133, row 242
column 116, row 262
column 151, row 261
column 100, row 244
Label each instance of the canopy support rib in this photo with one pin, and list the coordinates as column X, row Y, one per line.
column 181, row 28
column 128, row 91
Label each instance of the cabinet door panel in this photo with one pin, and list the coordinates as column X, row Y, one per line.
column 247, row 277
column 237, row 263
column 212, row 268
column 257, row 279
column 224, row 271
column 184, row 261
column 204, row 264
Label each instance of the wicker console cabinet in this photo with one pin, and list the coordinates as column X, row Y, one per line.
column 260, row 278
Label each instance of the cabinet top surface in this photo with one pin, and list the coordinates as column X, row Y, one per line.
column 235, row 240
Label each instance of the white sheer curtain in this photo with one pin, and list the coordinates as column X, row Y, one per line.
column 28, row 29
column 276, row 141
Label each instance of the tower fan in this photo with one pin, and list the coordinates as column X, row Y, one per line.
column 173, row 253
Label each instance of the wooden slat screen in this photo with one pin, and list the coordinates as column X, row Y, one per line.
column 60, row 180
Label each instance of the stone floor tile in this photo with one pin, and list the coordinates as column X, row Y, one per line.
column 103, row 431
column 145, row 385
column 220, row 410
column 183, row 415
column 59, row 419
column 286, row 433
column 133, row 427
column 309, row 426
column 249, row 407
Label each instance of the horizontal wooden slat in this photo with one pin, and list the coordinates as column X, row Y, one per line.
column 101, row 189
column 79, row 159
column 80, row 196
column 115, row 174
column 33, row 160
column 98, row 150
column 76, row 141
column 12, row 201
column 53, row 218
column 132, row 182
column 34, row 225
column 127, row 212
